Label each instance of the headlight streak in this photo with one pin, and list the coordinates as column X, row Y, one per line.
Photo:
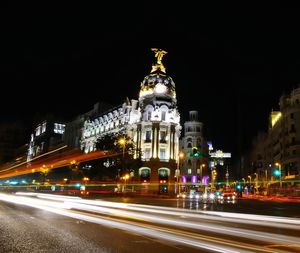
column 122, row 226
column 261, row 236
column 280, row 222
column 253, row 219
column 25, row 200
column 110, row 209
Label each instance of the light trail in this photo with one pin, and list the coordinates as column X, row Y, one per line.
column 250, row 219
column 261, row 236
column 33, row 159
column 120, row 225
column 120, row 211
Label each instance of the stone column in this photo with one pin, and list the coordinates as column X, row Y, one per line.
column 153, row 142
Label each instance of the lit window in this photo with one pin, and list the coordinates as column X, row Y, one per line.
column 59, row 128
column 147, row 153
column 162, row 153
column 189, row 171
column 162, row 136
column 163, row 115
column 148, row 135
column 44, row 127
column 38, row 131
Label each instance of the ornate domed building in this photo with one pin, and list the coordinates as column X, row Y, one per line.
column 152, row 122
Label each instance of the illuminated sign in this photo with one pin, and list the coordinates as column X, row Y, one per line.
column 220, row 154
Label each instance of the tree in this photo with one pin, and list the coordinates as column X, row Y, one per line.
column 121, row 148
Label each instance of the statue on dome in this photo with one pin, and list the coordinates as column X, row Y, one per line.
column 159, row 53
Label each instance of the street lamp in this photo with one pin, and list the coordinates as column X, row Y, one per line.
column 279, row 168
column 256, row 182
column 122, row 142
column 177, row 172
column 244, row 181
column 213, row 178
column 249, row 180
column 201, row 170
column 250, row 184
column 125, row 178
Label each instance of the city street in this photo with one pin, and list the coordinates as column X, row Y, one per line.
column 47, row 223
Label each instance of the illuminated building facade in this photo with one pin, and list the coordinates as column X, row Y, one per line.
column 48, row 134
column 152, row 122
column 219, row 166
column 193, row 166
column 279, row 148
column 74, row 127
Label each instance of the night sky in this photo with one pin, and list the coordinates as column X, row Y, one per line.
column 229, row 62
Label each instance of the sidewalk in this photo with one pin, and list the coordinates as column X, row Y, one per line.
column 272, row 198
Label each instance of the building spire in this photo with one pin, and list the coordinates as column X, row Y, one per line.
column 159, row 53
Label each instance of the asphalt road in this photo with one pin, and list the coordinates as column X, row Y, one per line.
column 43, row 224
column 249, row 206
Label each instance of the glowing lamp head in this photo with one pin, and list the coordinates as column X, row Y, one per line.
column 160, row 88
column 122, row 141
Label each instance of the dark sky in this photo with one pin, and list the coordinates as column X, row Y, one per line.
column 229, row 62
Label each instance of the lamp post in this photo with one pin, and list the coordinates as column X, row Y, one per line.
column 256, row 182
column 125, row 178
column 244, row 181
column 250, row 184
column 249, row 180
column 201, row 171
column 122, row 142
column 279, row 168
column 213, row 178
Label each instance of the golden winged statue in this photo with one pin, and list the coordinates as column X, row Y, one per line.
column 159, row 53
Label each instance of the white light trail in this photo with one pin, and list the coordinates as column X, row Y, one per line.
column 119, row 225
column 133, row 211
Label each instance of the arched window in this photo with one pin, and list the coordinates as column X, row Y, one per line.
column 145, row 173
column 189, row 145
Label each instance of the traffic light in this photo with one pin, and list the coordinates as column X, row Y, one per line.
column 195, row 152
column 277, row 173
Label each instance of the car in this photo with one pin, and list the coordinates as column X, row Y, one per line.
column 208, row 196
column 182, row 195
column 227, row 196
column 192, row 194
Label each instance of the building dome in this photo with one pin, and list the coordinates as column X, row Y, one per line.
column 158, row 84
